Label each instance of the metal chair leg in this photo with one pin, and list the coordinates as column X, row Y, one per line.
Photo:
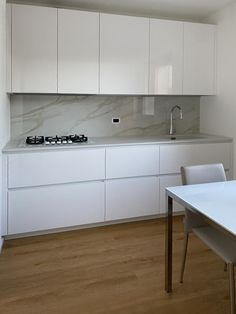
column 232, row 288
column 184, row 256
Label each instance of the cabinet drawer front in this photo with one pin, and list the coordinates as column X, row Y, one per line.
column 132, row 161
column 172, row 157
column 127, row 198
column 55, row 207
column 167, row 181
column 34, row 169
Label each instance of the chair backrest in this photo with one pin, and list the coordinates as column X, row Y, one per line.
column 203, row 174
column 197, row 175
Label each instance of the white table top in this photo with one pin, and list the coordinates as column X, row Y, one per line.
column 216, row 201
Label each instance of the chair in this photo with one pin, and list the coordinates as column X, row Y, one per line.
column 221, row 244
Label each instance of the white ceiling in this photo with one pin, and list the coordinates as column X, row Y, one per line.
column 174, row 9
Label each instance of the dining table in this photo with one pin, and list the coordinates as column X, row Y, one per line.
column 214, row 202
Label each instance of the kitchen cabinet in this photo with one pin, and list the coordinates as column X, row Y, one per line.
column 8, row 47
column 132, row 161
column 34, row 49
column 166, row 57
column 56, row 206
column 134, row 197
column 61, row 188
column 78, row 52
column 65, row 51
column 134, row 190
column 172, row 157
column 35, row 169
column 124, row 54
column 199, row 59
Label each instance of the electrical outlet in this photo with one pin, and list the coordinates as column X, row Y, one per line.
column 115, row 120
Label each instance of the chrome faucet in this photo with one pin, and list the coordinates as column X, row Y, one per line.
column 172, row 130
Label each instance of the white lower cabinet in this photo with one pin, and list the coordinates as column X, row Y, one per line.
column 44, row 168
column 50, row 190
column 35, row 209
column 172, row 157
column 167, row 181
column 132, row 161
column 135, row 197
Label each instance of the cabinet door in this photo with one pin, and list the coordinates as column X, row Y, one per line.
column 199, row 59
column 124, row 54
column 34, row 49
column 55, row 207
column 8, row 47
column 172, row 157
column 44, row 168
column 78, row 51
column 166, row 57
column 132, row 161
column 127, row 198
column 167, row 181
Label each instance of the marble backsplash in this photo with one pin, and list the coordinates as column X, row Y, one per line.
column 92, row 115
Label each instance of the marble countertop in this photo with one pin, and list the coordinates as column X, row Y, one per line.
column 16, row 146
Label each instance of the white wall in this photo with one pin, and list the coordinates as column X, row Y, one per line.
column 4, row 101
column 218, row 114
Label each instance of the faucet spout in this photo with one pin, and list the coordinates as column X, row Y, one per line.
column 172, row 130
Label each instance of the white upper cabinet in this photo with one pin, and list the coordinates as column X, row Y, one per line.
column 63, row 51
column 34, row 49
column 166, row 57
column 8, row 47
column 199, row 59
column 124, row 54
column 78, row 52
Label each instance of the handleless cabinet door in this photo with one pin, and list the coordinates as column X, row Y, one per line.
column 34, row 49
column 132, row 161
column 44, row 208
column 199, row 59
column 45, row 168
column 127, row 198
column 172, row 157
column 78, row 51
column 124, row 54
column 166, row 57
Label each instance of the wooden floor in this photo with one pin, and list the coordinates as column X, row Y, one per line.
column 114, row 269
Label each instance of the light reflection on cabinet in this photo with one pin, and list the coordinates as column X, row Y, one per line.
column 166, row 57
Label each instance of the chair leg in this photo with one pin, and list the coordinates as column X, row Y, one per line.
column 232, row 288
column 184, row 256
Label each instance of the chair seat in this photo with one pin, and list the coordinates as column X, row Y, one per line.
column 220, row 243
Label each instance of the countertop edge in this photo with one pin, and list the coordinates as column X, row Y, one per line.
column 12, row 148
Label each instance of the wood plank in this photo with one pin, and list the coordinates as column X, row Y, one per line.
column 114, row 269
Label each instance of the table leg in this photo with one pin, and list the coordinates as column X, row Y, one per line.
column 168, row 248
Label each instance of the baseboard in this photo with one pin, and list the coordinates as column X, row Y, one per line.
column 80, row 227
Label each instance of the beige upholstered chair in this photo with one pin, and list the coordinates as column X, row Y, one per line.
column 221, row 244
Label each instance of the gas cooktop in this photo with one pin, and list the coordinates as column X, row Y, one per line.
column 56, row 140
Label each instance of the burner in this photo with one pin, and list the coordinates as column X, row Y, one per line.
column 56, row 140
column 78, row 138
column 35, row 140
